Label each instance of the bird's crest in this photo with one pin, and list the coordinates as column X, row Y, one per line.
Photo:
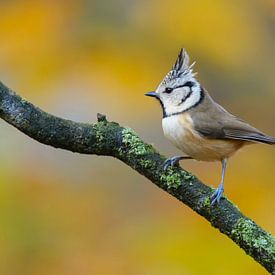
column 181, row 68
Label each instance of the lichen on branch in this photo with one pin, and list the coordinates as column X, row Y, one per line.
column 111, row 139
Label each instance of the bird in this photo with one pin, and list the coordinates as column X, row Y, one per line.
column 201, row 128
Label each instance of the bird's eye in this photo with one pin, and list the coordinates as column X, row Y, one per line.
column 168, row 90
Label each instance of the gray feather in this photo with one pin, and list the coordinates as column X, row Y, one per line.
column 182, row 62
column 214, row 122
column 248, row 136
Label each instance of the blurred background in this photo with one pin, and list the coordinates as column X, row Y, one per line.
column 65, row 213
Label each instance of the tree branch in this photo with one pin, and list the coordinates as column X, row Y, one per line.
column 111, row 139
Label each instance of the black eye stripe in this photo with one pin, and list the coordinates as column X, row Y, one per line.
column 187, row 84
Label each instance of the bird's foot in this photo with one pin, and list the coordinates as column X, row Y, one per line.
column 215, row 198
column 171, row 162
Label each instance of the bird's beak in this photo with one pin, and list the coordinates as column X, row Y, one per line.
column 152, row 94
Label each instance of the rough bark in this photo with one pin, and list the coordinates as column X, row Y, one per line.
column 111, row 139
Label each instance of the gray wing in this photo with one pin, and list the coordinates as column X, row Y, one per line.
column 214, row 122
column 234, row 132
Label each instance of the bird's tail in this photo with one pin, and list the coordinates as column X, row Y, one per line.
column 266, row 139
column 269, row 140
column 253, row 137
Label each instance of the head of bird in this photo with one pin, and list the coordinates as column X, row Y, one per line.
column 179, row 90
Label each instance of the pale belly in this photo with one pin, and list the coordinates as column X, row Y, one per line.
column 179, row 130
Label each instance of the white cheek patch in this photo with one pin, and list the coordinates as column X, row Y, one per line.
column 192, row 100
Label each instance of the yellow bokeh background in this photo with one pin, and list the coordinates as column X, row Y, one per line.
column 65, row 213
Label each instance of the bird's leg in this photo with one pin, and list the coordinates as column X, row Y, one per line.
column 219, row 191
column 173, row 161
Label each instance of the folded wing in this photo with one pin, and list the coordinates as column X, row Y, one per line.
column 216, row 123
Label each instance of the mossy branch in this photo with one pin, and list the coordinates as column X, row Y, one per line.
column 111, row 139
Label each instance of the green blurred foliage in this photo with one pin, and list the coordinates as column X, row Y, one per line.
column 63, row 213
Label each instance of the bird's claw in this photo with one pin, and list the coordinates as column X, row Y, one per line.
column 171, row 162
column 215, row 198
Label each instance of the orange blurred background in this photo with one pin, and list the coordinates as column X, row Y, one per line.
column 65, row 213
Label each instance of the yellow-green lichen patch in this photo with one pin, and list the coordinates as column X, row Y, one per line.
column 147, row 163
column 248, row 233
column 100, row 133
column 173, row 179
column 207, row 202
column 134, row 144
column 189, row 177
